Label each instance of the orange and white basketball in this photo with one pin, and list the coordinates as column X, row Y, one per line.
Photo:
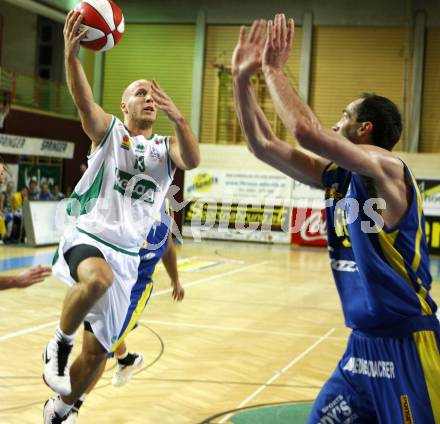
column 105, row 23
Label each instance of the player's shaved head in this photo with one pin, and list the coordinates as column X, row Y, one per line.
column 133, row 87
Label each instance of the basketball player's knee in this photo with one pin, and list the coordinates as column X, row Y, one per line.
column 101, row 281
column 95, row 358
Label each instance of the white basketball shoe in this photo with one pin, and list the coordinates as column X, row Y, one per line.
column 125, row 371
column 49, row 414
column 56, row 366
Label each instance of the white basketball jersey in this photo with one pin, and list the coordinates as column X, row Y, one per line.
column 121, row 192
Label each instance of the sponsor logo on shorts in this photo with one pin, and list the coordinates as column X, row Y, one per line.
column 337, row 411
column 372, row 369
column 406, row 410
column 148, row 256
column 143, row 189
column 343, row 265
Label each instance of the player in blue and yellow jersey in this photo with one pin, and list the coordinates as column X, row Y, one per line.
column 390, row 372
column 158, row 245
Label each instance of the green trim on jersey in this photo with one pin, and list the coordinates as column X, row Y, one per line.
column 104, row 139
column 85, row 198
column 106, row 243
column 55, row 257
column 167, row 140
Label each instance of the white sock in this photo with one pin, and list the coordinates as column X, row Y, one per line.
column 61, row 408
column 123, row 356
column 83, row 397
column 61, row 337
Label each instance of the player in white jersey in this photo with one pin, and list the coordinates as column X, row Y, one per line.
column 129, row 171
column 150, row 254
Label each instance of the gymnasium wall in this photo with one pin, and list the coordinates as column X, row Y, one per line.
column 239, row 157
column 348, row 61
column 88, row 61
column 19, row 39
column 430, row 122
column 357, row 46
column 220, row 43
column 161, row 52
column 232, row 189
column 54, row 127
column 343, row 12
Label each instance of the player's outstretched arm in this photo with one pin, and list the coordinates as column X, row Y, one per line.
column 184, row 148
column 25, row 279
column 94, row 120
column 169, row 260
column 300, row 120
column 261, row 140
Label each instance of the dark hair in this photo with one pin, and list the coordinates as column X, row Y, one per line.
column 385, row 117
column 5, row 167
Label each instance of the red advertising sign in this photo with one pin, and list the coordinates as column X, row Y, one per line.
column 308, row 226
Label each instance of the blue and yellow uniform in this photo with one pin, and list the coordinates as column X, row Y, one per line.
column 150, row 254
column 390, row 372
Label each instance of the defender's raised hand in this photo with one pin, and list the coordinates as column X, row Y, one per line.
column 72, row 33
column 246, row 59
column 164, row 102
column 278, row 43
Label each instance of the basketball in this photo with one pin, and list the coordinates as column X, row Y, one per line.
column 105, row 23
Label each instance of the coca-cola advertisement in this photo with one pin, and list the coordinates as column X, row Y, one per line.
column 309, row 227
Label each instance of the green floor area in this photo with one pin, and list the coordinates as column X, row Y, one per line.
column 275, row 414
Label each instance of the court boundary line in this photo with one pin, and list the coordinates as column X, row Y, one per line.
column 242, row 330
column 208, row 279
column 280, row 373
column 26, row 331
column 34, row 329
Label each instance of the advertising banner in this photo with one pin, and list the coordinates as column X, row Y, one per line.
column 32, row 146
column 433, row 233
column 43, row 174
column 236, row 221
column 309, row 226
column 430, row 191
column 223, row 184
column 271, row 207
column 308, row 220
column 304, row 196
column 237, row 205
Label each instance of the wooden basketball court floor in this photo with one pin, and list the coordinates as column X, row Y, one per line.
column 259, row 325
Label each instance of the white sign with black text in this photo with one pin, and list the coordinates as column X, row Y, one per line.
column 32, row 146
